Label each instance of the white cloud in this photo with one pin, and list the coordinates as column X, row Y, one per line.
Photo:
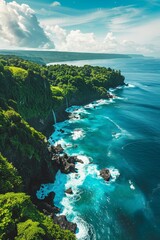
column 19, row 27
column 55, row 4
column 110, row 43
column 128, row 23
column 75, row 40
column 130, row 32
column 78, row 41
column 57, row 35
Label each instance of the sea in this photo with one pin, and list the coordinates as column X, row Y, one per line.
column 123, row 135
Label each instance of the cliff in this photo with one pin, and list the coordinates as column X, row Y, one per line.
column 29, row 95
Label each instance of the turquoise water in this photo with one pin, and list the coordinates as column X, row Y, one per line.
column 123, row 135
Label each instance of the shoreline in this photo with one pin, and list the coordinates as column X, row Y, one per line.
column 56, row 139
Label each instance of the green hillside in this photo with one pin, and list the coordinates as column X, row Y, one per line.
column 29, row 93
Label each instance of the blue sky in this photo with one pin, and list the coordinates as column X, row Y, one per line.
column 128, row 26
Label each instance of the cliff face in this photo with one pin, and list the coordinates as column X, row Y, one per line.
column 26, row 149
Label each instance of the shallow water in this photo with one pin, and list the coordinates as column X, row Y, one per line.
column 123, row 135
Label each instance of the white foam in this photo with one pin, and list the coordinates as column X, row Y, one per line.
column 112, row 89
column 74, row 117
column 77, row 113
column 72, row 109
column 109, row 153
column 84, row 229
column 90, row 105
column 99, row 103
column 76, row 179
column 129, row 85
column 123, row 131
column 120, row 87
column 76, row 110
column 131, row 185
column 114, row 173
column 78, row 134
column 92, row 170
column 116, row 135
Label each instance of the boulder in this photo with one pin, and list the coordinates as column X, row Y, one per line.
column 105, row 173
column 55, row 149
column 50, row 198
column 78, row 160
column 64, row 223
column 47, row 208
column 69, row 191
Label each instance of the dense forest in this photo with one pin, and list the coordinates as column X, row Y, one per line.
column 29, row 94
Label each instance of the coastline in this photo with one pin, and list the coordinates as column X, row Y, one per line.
column 64, row 181
column 49, row 160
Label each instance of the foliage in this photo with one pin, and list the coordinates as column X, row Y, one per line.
column 22, row 145
column 57, row 96
column 36, row 89
column 9, row 180
column 20, row 219
column 18, row 72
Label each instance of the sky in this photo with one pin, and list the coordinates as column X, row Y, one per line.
column 108, row 26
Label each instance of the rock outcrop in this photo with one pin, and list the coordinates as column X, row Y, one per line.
column 69, row 191
column 64, row 162
column 64, row 223
column 105, row 173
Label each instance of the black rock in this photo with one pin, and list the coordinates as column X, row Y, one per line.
column 69, row 191
column 105, row 173
column 64, row 223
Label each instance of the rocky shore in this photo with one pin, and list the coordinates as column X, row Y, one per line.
column 66, row 164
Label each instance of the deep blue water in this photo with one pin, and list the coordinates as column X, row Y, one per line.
column 123, row 135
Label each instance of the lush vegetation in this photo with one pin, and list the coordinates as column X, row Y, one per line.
column 24, row 147
column 20, row 219
column 37, row 90
column 9, row 179
column 28, row 95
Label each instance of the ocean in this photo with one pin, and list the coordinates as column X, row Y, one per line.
column 122, row 134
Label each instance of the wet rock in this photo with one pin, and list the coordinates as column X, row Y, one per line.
column 79, row 160
column 61, row 130
column 69, row 191
column 105, row 173
column 65, row 163
column 47, row 205
column 55, row 149
column 64, row 223
column 72, row 159
column 47, row 208
column 49, row 199
column 68, row 168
